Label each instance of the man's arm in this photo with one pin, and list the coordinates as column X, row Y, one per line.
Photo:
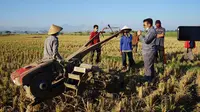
column 55, row 50
column 148, row 37
column 160, row 35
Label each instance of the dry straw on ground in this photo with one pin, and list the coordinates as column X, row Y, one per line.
column 175, row 89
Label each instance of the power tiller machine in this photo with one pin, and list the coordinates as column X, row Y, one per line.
column 40, row 79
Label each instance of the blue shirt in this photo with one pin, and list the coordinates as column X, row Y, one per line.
column 126, row 43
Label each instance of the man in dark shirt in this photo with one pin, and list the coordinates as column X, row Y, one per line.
column 95, row 41
column 160, row 41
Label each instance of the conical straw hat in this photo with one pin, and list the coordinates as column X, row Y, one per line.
column 54, row 29
column 126, row 28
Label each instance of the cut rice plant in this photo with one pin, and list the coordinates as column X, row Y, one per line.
column 123, row 91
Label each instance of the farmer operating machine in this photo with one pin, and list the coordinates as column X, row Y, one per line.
column 46, row 79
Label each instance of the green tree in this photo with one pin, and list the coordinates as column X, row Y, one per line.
column 8, row 32
column 26, row 32
column 81, row 33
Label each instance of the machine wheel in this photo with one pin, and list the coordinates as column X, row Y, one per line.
column 41, row 85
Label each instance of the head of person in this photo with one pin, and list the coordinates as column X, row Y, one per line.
column 147, row 23
column 158, row 23
column 126, row 30
column 95, row 28
column 54, row 30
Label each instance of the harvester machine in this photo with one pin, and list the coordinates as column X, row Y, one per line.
column 46, row 79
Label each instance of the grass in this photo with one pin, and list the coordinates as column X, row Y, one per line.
column 175, row 89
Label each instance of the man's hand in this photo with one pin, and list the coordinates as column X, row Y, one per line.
column 121, row 52
column 139, row 33
column 160, row 35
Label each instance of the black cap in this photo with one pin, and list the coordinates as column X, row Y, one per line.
column 158, row 22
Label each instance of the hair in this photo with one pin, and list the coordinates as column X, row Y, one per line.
column 149, row 21
column 95, row 26
column 158, row 22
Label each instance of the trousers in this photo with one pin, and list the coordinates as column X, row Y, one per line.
column 160, row 53
column 130, row 58
column 149, row 58
column 98, row 51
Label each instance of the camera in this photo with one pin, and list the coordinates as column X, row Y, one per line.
column 188, row 33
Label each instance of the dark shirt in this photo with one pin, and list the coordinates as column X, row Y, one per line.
column 160, row 41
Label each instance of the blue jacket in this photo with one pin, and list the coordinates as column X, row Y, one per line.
column 126, row 43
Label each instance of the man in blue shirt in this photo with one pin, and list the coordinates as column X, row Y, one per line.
column 148, row 48
column 126, row 47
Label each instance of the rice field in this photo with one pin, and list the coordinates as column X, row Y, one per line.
column 175, row 89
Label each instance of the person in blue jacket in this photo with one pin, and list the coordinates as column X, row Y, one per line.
column 126, row 47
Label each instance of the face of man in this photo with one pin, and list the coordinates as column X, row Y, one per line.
column 96, row 29
column 146, row 25
column 158, row 25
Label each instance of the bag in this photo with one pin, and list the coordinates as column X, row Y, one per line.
column 192, row 44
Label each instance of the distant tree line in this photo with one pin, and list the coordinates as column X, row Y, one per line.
column 81, row 33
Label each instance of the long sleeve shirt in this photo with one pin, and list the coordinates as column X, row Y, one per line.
column 51, row 48
column 160, row 41
column 126, row 43
column 96, row 39
column 148, row 41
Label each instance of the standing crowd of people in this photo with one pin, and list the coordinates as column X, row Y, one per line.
column 152, row 46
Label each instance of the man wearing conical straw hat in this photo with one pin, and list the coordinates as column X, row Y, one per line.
column 51, row 44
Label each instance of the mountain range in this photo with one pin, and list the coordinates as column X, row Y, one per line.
column 66, row 28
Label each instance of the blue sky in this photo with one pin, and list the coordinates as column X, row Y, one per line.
column 42, row 13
